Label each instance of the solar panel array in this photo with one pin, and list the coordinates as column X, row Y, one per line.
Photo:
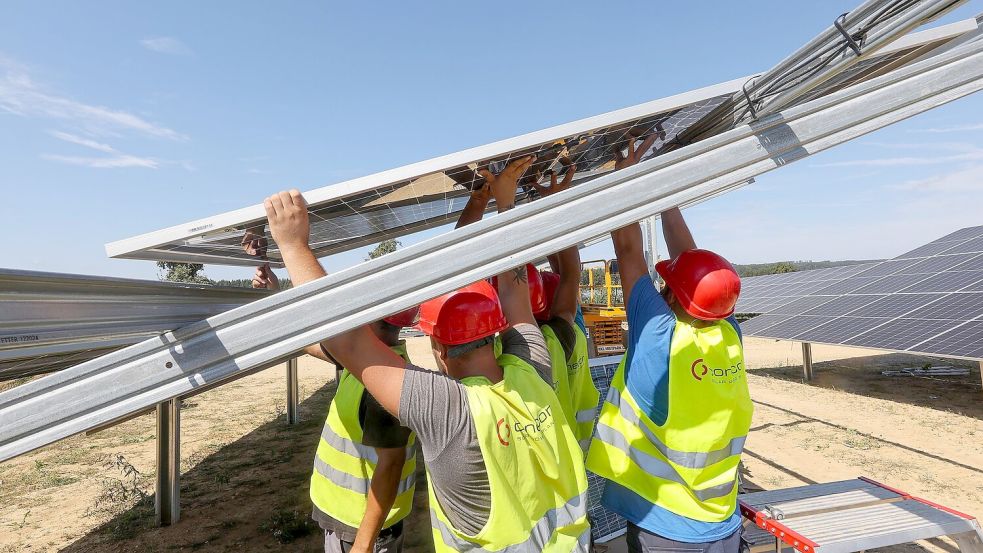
column 418, row 200
column 605, row 524
column 764, row 293
column 928, row 300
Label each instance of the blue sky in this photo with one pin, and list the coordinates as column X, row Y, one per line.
column 118, row 118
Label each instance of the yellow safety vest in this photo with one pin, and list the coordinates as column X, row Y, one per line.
column 343, row 465
column 583, row 393
column 573, row 385
column 535, row 471
column 689, row 464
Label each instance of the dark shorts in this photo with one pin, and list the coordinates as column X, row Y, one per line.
column 643, row 541
column 390, row 540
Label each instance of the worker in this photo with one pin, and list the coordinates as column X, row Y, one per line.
column 503, row 472
column 673, row 425
column 365, row 466
column 556, row 316
column 559, row 324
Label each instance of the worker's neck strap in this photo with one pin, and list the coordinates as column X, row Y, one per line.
column 459, row 350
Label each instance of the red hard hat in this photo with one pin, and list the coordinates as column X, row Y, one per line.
column 537, row 296
column 463, row 316
column 706, row 285
column 404, row 318
column 551, row 281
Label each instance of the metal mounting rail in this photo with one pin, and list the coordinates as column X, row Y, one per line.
column 54, row 320
column 776, row 89
column 273, row 328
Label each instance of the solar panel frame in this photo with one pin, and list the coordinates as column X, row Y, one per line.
column 371, row 217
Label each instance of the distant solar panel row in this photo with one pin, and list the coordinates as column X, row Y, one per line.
column 765, row 293
column 928, row 300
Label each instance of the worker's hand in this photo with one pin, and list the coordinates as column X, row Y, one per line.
column 254, row 241
column 482, row 194
column 266, row 278
column 504, row 185
column 555, row 186
column 289, row 223
column 634, row 155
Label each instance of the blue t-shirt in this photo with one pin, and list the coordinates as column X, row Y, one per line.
column 579, row 319
column 651, row 323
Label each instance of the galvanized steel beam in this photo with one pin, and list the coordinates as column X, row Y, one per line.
column 52, row 320
column 274, row 328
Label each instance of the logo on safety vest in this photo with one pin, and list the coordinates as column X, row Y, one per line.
column 525, row 430
column 699, row 370
column 500, row 427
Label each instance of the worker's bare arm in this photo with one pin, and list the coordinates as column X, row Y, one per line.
column 382, row 494
column 631, row 259
column 513, row 286
column 359, row 350
column 566, row 262
column 628, row 239
column 677, row 234
column 475, row 208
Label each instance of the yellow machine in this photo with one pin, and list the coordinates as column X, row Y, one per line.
column 603, row 304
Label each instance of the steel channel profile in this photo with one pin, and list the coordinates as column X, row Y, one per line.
column 878, row 38
column 51, row 320
column 881, row 36
column 261, row 333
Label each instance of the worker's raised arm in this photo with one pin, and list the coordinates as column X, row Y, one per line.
column 677, row 234
column 513, row 285
column 358, row 350
column 628, row 240
column 566, row 262
column 475, row 208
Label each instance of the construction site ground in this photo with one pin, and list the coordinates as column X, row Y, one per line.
column 245, row 472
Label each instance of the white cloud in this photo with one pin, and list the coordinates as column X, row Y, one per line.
column 975, row 154
column 954, row 128
column 166, row 45
column 20, row 95
column 114, row 162
column 968, row 179
column 88, row 143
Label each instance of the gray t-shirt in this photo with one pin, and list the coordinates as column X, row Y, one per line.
column 435, row 406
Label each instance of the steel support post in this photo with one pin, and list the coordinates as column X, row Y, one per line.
column 981, row 372
column 651, row 243
column 264, row 333
column 806, row 361
column 293, row 393
column 167, row 499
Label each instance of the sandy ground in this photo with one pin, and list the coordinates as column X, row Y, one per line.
column 245, row 471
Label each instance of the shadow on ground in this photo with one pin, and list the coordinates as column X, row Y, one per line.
column 862, row 376
column 251, row 495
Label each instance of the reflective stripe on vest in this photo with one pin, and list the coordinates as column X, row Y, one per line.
column 539, row 535
column 534, row 465
column 688, row 465
column 688, row 459
column 343, row 466
column 354, row 483
column 582, row 390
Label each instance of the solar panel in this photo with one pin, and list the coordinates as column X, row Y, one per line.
column 917, row 302
column 840, row 329
column 432, row 193
column 900, row 334
column 964, row 341
column 768, row 292
column 841, row 305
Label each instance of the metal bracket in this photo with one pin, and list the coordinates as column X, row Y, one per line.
column 750, row 102
column 838, row 23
